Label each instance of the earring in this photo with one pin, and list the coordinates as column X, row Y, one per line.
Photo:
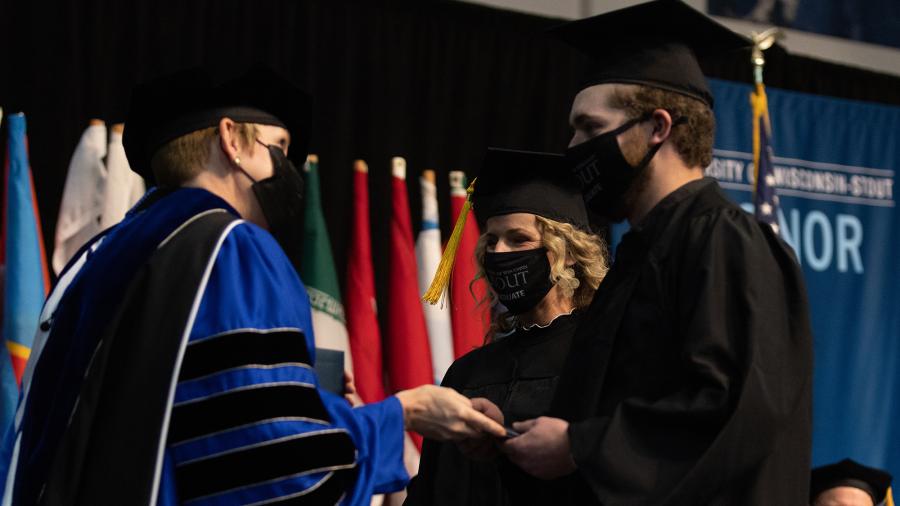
column 237, row 160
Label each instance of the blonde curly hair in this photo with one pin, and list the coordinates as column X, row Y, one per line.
column 579, row 281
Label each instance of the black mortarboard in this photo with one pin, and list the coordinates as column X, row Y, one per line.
column 513, row 181
column 170, row 106
column 848, row 473
column 654, row 43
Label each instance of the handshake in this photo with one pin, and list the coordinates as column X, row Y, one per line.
column 476, row 425
column 443, row 414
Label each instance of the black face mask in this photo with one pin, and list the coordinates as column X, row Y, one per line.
column 281, row 199
column 602, row 171
column 521, row 279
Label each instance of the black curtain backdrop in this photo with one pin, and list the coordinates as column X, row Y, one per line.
column 433, row 81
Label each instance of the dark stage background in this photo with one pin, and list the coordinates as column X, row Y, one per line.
column 433, row 81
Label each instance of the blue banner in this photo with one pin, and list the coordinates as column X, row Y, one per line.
column 834, row 169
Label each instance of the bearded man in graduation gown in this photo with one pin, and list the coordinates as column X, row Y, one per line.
column 689, row 378
column 174, row 361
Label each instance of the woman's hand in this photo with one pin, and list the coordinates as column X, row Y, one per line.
column 483, row 447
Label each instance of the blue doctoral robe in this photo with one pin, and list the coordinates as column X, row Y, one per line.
column 174, row 366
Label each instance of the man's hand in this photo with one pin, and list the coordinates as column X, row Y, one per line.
column 483, row 447
column 543, row 448
column 445, row 415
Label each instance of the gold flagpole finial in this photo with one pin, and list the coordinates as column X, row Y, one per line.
column 762, row 41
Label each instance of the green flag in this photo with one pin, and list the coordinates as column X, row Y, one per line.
column 318, row 272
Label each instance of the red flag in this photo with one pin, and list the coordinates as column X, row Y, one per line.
column 362, row 319
column 409, row 356
column 469, row 322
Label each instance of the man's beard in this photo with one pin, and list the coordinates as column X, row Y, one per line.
column 626, row 202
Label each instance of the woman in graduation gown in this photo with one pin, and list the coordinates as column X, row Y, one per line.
column 543, row 266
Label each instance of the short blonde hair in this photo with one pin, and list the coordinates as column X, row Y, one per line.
column 181, row 159
column 563, row 241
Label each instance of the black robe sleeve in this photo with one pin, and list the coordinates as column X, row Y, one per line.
column 446, row 476
column 739, row 411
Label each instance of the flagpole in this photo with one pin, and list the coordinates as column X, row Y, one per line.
column 765, row 200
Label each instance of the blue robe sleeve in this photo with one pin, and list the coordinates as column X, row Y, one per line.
column 249, row 422
column 377, row 431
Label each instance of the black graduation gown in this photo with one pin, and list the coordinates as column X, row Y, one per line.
column 519, row 374
column 689, row 380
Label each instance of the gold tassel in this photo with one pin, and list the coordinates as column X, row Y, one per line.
column 760, row 105
column 445, row 268
column 889, row 500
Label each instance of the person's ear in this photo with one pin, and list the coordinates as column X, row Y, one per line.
column 662, row 126
column 229, row 141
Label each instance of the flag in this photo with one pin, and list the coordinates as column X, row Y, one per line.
column 318, row 273
column 362, row 313
column 409, row 358
column 123, row 186
column 428, row 255
column 2, row 241
column 82, row 203
column 469, row 323
column 765, row 201
column 27, row 279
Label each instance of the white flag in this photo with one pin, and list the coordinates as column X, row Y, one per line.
column 123, row 187
column 428, row 256
column 82, row 202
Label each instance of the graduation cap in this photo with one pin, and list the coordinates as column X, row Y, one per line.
column 177, row 104
column 848, row 473
column 513, row 181
column 655, row 44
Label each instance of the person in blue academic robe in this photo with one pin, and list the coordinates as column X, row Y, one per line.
column 174, row 359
